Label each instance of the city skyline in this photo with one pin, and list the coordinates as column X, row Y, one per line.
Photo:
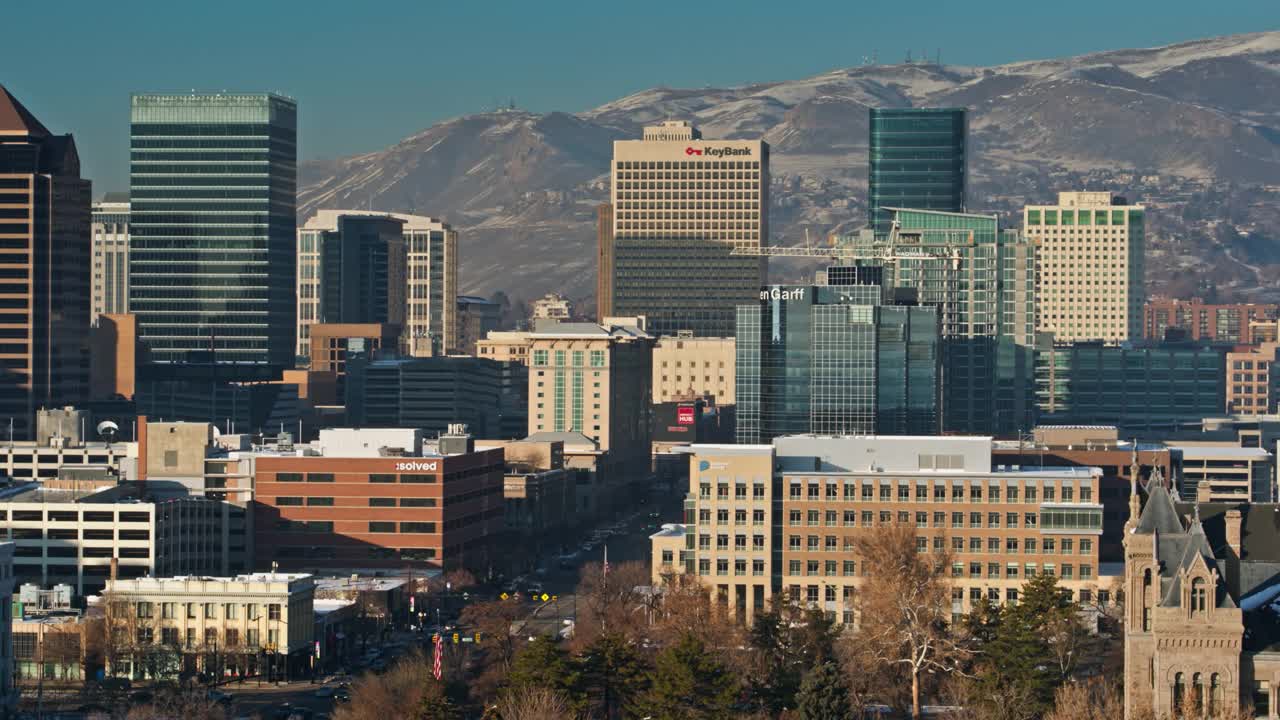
column 540, row 51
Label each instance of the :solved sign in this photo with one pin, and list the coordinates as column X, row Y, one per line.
column 417, row 466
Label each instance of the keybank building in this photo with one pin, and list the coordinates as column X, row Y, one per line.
column 831, row 360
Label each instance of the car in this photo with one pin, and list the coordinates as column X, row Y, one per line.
column 324, row 692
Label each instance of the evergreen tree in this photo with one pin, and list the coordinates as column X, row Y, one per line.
column 824, row 695
column 611, row 676
column 543, row 664
column 789, row 641
column 690, row 684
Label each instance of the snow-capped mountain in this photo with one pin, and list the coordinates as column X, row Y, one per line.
column 1192, row 130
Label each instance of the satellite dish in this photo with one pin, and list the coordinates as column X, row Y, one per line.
column 108, row 430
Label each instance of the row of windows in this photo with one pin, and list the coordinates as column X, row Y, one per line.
column 871, row 491
column 405, row 527
column 209, row 611
column 687, row 165
column 414, row 478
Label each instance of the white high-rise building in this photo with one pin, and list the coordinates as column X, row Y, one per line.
column 1091, row 250
column 110, row 238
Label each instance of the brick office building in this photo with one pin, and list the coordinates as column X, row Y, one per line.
column 354, row 507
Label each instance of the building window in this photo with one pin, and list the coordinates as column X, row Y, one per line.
column 1198, row 596
column 382, row 527
column 273, row 611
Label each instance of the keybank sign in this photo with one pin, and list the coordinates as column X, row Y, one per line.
column 417, row 466
column 718, row 152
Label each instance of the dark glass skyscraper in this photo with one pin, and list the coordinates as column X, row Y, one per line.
column 830, row 360
column 213, row 181
column 917, row 160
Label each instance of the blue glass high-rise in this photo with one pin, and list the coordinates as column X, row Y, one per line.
column 917, row 159
column 213, row 180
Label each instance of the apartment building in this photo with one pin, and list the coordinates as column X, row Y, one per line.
column 1000, row 525
column 689, row 367
column 254, row 624
column 505, row 346
column 1092, row 264
column 1251, row 389
column 77, row 537
column 1197, row 320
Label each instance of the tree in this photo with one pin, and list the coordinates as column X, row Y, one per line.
column 534, row 703
column 404, row 687
column 612, row 601
column 906, row 608
column 493, row 621
column 689, row 684
column 824, row 695
column 612, row 675
column 543, row 665
column 787, row 642
column 435, row 703
column 188, row 705
column 1095, row 699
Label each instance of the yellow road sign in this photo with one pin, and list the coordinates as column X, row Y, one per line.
column 545, row 597
column 504, row 596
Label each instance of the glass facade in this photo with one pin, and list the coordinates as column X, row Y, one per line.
column 830, row 360
column 683, row 285
column 1164, row 387
column 213, row 180
column 916, row 160
column 982, row 280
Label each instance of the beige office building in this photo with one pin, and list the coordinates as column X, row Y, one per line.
column 504, row 346
column 110, row 237
column 687, row 367
column 1091, row 252
column 679, row 204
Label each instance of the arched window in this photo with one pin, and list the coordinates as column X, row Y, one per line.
column 1215, row 694
column 1197, row 695
column 1198, row 596
column 1179, row 692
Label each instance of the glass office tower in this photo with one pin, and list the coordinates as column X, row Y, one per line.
column 831, row 360
column 916, row 160
column 213, row 181
column 982, row 280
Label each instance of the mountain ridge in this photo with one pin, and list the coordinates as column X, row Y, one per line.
column 1192, row 129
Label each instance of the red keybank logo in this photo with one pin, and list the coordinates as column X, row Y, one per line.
column 684, row 415
column 692, row 151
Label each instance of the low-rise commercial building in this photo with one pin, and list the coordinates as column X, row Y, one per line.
column 505, row 346
column 1223, row 472
column 379, row 499
column 256, row 624
column 1251, row 387
column 77, row 537
column 999, row 525
column 430, row 393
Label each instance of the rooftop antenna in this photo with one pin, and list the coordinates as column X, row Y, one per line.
column 908, row 60
column 938, row 58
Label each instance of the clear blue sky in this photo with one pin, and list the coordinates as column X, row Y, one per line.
column 366, row 74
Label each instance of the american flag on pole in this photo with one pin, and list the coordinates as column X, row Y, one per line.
column 606, row 561
column 439, row 657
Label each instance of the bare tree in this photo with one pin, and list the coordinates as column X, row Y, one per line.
column 906, row 608
column 612, row 601
column 534, row 703
column 180, row 705
column 388, row 695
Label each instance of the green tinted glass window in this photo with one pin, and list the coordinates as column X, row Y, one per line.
column 1033, row 217
column 1117, row 217
column 540, row 357
column 1101, row 219
column 1050, row 217
column 1068, row 217
column 1084, row 217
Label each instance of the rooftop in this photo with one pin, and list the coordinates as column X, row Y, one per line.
column 1218, row 452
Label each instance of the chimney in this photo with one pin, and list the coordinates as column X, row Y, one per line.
column 142, row 447
column 115, row 568
column 1202, row 491
column 1234, row 530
